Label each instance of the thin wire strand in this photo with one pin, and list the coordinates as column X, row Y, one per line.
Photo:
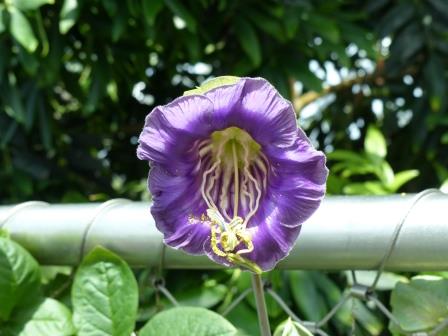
column 235, row 302
column 101, row 208
column 168, row 295
column 438, row 328
column 283, row 304
column 19, row 207
column 334, row 310
column 396, row 233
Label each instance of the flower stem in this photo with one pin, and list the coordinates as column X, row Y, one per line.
column 263, row 320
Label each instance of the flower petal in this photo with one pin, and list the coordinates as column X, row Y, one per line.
column 176, row 199
column 170, row 132
column 298, row 181
column 255, row 106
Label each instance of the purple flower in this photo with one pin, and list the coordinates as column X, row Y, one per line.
column 232, row 176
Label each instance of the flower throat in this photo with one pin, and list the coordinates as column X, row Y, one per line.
column 233, row 181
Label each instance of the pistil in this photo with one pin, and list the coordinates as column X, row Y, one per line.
column 232, row 153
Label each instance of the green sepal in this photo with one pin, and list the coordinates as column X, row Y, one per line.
column 212, row 84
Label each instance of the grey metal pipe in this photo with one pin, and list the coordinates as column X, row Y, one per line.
column 345, row 233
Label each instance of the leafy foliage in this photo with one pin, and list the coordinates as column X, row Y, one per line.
column 104, row 295
column 77, row 79
column 188, row 321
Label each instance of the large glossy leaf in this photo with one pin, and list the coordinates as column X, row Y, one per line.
column 375, row 143
column 307, row 296
column 187, row 321
column 202, row 296
column 396, row 18
column 248, row 40
column 402, row 178
column 68, row 16
column 290, row 328
column 104, row 295
column 2, row 24
column 325, row 26
column 437, row 84
column 421, row 304
column 21, row 30
column 245, row 318
column 19, row 278
column 151, row 8
column 48, row 317
column 213, row 83
column 365, row 316
column 30, row 4
column 387, row 280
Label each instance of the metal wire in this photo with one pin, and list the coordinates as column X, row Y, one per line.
column 396, row 233
column 20, row 207
column 357, row 290
column 103, row 207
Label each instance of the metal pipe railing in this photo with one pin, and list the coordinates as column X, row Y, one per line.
column 347, row 232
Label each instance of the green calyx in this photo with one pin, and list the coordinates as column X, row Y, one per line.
column 212, row 84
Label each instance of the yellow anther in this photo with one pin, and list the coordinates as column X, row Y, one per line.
column 214, row 242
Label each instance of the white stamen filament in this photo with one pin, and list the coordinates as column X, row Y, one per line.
column 220, row 160
column 236, row 186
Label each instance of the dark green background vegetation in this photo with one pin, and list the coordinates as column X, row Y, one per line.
column 70, row 110
column 77, row 78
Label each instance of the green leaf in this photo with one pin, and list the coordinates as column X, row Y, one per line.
column 180, row 10
column 441, row 6
column 202, row 296
column 28, row 61
column 421, row 304
column 244, row 317
column 396, row 18
column 436, row 83
column 375, row 143
column 21, row 30
column 44, row 125
column 2, row 24
column 4, row 234
column 365, row 317
column 247, row 37
column 187, row 321
column 332, row 295
column 402, row 178
column 290, row 328
column 366, row 188
column 30, row 4
column 385, row 173
column 345, row 155
column 387, row 280
column 48, row 317
column 212, row 84
column 119, row 27
column 325, row 27
column 104, row 295
column 444, row 187
column 306, row 295
column 150, row 9
column 19, row 277
column 405, row 45
column 268, row 24
column 68, row 16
